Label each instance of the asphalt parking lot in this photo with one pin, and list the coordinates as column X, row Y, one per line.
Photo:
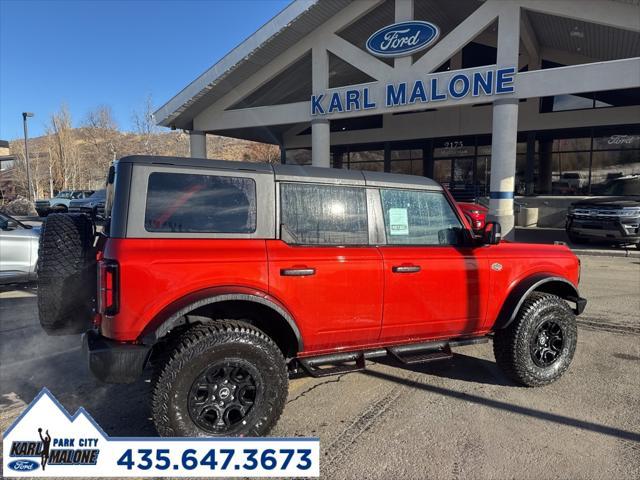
column 456, row 419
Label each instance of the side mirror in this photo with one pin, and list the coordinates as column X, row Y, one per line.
column 11, row 225
column 492, row 233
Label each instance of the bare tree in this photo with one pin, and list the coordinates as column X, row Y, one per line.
column 262, row 152
column 100, row 130
column 145, row 125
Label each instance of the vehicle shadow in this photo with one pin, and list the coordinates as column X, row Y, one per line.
column 508, row 407
column 460, row 367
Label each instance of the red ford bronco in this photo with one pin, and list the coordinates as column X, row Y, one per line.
column 226, row 277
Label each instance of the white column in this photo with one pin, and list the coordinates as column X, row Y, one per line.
column 320, row 132
column 505, row 127
column 320, row 143
column 403, row 12
column 198, row 144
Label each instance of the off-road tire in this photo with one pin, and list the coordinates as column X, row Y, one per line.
column 206, row 344
column 66, row 274
column 511, row 346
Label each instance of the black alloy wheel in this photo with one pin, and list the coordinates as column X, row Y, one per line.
column 223, row 395
column 547, row 343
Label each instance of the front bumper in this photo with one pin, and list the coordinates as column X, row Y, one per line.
column 605, row 229
column 114, row 362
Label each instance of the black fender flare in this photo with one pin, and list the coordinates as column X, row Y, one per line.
column 542, row 282
column 173, row 315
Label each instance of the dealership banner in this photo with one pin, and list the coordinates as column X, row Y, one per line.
column 45, row 441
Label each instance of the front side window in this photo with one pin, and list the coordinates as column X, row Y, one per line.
column 190, row 203
column 323, row 215
column 419, row 218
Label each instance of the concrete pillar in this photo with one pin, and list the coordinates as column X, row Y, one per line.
column 505, row 126
column 198, row 144
column 503, row 163
column 320, row 128
column 320, row 143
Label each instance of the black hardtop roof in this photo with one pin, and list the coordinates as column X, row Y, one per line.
column 297, row 173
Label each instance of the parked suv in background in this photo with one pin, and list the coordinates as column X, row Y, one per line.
column 92, row 205
column 18, row 250
column 227, row 276
column 613, row 218
column 60, row 203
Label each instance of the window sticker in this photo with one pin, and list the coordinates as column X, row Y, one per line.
column 398, row 221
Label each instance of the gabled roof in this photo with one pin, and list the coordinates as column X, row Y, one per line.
column 303, row 16
column 288, row 27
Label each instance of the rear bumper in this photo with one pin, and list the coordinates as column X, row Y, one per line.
column 111, row 361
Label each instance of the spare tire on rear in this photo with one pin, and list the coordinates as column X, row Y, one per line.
column 66, row 274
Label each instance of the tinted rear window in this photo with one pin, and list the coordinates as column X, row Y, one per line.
column 200, row 203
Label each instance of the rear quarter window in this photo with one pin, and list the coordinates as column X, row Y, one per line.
column 192, row 203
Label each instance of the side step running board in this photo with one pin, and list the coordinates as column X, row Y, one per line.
column 406, row 354
column 339, row 362
column 413, row 356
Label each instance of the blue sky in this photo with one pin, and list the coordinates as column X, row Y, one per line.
column 86, row 53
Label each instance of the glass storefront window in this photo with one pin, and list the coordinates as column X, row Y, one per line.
column 570, row 174
column 608, row 166
column 407, row 161
column 616, row 141
column 366, row 156
column 369, row 166
column 409, row 167
column 571, row 144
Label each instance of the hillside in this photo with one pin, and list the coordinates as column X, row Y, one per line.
column 79, row 157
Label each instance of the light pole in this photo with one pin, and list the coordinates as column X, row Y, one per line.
column 26, row 115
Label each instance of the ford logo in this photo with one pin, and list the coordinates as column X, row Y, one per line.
column 402, row 38
column 23, row 465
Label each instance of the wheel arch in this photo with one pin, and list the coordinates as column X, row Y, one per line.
column 541, row 282
column 259, row 309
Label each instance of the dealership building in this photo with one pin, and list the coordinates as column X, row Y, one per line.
column 532, row 100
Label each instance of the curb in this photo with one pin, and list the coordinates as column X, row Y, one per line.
column 607, row 253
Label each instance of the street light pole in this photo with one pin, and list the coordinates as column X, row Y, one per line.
column 26, row 115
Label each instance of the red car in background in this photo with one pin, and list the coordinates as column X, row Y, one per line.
column 475, row 213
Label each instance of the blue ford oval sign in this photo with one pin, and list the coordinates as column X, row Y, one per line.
column 23, row 465
column 402, row 38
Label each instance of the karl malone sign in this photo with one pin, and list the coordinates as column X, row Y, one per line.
column 485, row 81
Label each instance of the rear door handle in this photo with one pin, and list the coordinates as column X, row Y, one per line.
column 405, row 268
column 297, row 272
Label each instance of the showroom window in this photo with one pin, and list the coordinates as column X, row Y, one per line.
column 371, row 160
column 323, row 215
column 407, row 162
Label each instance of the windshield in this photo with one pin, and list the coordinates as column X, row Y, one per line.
column 623, row 186
column 64, row 194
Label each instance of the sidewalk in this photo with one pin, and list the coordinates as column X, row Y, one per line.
column 550, row 235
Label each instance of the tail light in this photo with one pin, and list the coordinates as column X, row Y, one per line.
column 109, row 287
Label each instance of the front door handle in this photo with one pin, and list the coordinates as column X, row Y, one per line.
column 297, row 272
column 405, row 268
